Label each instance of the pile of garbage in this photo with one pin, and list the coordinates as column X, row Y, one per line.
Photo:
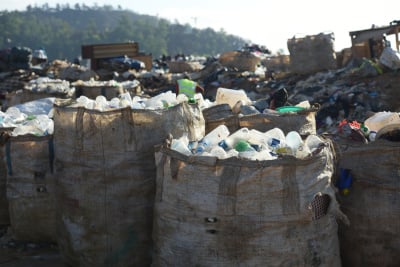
column 351, row 93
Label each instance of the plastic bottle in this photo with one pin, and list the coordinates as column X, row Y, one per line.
column 101, row 103
column 259, row 138
column 293, row 141
column 114, row 102
column 212, row 138
column 182, row 98
column 45, row 124
column 138, row 103
column 231, row 96
column 230, row 141
column 313, row 142
column 218, row 152
column 380, row 119
column 264, row 154
column 344, row 182
column 276, row 139
column 302, row 151
column 245, row 149
column 371, row 136
column 180, row 146
column 15, row 115
column 364, row 129
column 84, row 101
column 163, row 100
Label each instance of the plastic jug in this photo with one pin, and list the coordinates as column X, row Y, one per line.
column 231, row 97
column 230, row 141
column 293, row 141
column 276, row 137
column 381, row 119
column 212, row 138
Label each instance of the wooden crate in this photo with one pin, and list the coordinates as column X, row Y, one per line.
column 110, row 50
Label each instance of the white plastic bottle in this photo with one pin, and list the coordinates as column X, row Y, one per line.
column 101, row 103
column 218, row 152
column 212, row 138
column 312, row 142
column 181, row 145
column 293, row 141
column 276, row 138
column 231, row 96
column 381, row 119
column 230, row 141
column 259, row 138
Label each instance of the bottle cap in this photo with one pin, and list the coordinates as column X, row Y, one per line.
column 345, row 191
column 242, row 146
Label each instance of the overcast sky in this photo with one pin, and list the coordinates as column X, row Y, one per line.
column 269, row 23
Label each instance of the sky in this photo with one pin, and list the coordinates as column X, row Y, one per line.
column 262, row 22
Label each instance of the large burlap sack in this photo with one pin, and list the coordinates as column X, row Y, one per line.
column 92, row 92
column 239, row 60
column 106, row 180
column 313, row 53
column 235, row 212
column 184, row 66
column 220, row 114
column 4, row 214
column 372, row 205
column 301, row 121
column 31, row 188
column 24, row 96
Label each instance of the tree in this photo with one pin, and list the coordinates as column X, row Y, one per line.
column 62, row 31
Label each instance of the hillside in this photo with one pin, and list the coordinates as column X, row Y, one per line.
column 61, row 30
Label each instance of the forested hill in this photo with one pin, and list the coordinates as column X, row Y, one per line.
column 61, row 30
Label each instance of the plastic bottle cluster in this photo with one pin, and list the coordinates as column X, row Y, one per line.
column 249, row 143
column 160, row 101
column 45, row 84
column 23, row 124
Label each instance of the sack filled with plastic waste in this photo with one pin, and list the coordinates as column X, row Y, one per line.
column 106, row 179
column 234, row 211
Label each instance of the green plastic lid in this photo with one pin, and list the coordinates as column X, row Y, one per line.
column 242, row 146
column 289, row 109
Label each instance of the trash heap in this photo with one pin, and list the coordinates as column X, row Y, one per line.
column 33, row 117
column 131, row 174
